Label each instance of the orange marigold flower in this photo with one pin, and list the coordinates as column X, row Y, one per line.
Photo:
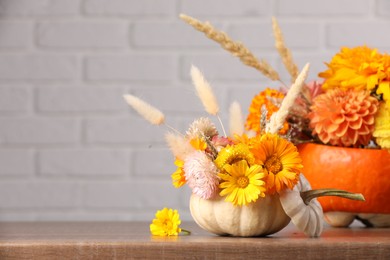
column 280, row 160
column 271, row 99
column 359, row 68
column 344, row 117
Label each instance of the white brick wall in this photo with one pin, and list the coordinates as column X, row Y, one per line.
column 71, row 149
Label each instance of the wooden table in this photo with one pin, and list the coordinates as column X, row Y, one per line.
column 132, row 240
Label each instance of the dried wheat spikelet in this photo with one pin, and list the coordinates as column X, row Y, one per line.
column 284, row 52
column 278, row 118
column 235, row 48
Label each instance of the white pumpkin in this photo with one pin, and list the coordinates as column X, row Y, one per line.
column 306, row 216
column 263, row 217
column 344, row 219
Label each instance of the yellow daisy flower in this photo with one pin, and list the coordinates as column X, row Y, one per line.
column 242, row 184
column 166, row 223
column 234, row 153
column 382, row 126
column 178, row 177
column 281, row 162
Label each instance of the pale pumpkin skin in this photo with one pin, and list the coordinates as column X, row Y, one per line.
column 344, row 219
column 263, row 217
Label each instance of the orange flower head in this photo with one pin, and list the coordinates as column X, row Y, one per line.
column 280, row 160
column 344, row 117
column 271, row 100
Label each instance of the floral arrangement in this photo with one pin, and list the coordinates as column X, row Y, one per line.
column 257, row 158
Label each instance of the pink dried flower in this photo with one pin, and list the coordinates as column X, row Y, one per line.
column 315, row 89
column 201, row 175
column 220, row 142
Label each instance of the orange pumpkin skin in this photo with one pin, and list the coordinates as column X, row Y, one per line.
column 365, row 171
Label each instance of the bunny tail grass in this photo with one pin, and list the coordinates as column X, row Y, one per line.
column 147, row 111
column 236, row 121
column 206, row 94
column 180, row 147
column 204, row 91
column 278, row 118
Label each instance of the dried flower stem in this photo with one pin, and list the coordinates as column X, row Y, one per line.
column 173, row 129
column 263, row 119
column 223, row 128
column 235, row 48
column 278, row 118
column 214, row 151
column 284, row 52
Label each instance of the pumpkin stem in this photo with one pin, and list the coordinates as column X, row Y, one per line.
column 307, row 196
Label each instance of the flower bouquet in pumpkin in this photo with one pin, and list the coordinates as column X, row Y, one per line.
column 243, row 182
column 341, row 125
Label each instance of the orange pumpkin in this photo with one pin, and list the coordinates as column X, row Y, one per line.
column 365, row 171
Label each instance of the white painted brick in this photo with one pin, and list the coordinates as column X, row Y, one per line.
column 131, row 67
column 226, row 7
column 39, row 7
column 361, row 33
column 16, row 162
column 244, row 95
column 80, row 99
column 221, row 66
column 130, row 7
column 16, row 34
column 330, row 7
column 31, row 130
column 83, row 34
column 36, row 66
column 136, row 194
column 39, row 194
column 126, row 130
column 383, row 7
column 84, row 162
column 162, row 166
column 173, row 100
column 168, row 34
column 296, row 34
column 15, row 98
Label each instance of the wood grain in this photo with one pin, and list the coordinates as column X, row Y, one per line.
column 132, row 240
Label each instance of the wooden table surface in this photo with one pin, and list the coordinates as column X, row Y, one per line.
column 132, row 240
